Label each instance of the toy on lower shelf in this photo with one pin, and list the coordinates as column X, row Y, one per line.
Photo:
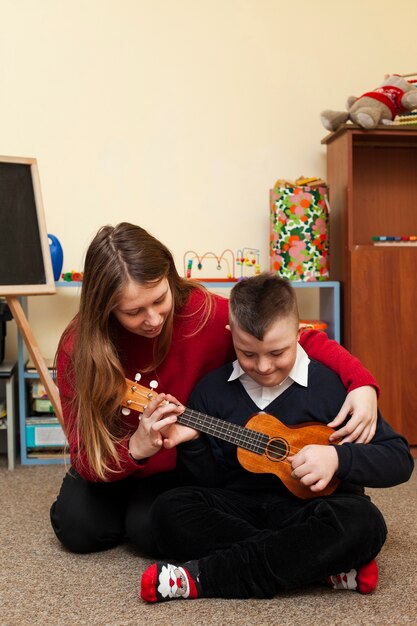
column 313, row 325
column 42, row 428
column 39, row 398
column 44, row 432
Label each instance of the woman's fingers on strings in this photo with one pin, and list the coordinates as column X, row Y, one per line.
column 161, row 405
column 160, row 424
column 153, row 405
column 173, row 400
column 159, row 409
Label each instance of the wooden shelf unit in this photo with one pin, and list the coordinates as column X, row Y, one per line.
column 27, row 455
column 7, row 381
column 372, row 177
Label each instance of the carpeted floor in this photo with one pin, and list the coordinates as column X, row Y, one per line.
column 42, row 584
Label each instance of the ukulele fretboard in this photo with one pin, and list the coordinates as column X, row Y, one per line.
column 233, row 433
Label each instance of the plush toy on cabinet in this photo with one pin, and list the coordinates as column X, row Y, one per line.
column 380, row 106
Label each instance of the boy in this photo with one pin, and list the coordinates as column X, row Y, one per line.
column 242, row 533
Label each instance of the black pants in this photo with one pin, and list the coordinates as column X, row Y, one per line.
column 88, row 517
column 247, row 547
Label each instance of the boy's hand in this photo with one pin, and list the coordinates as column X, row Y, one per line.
column 314, row 466
column 361, row 405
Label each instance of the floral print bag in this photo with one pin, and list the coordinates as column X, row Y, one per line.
column 299, row 242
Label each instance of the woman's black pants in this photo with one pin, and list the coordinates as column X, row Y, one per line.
column 88, row 517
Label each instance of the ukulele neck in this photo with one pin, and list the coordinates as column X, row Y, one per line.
column 233, row 433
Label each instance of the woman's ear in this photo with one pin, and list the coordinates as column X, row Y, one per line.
column 227, row 327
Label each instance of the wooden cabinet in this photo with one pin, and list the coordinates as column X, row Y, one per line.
column 373, row 191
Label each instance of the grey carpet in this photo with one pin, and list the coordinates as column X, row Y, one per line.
column 43, row 584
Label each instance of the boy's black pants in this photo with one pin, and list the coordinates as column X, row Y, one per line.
column 251, row 547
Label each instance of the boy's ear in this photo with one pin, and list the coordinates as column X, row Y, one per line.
column 228, row 327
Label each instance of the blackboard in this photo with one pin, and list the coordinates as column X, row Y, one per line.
column 25, row 260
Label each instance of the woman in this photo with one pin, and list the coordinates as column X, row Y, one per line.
column 137, row 315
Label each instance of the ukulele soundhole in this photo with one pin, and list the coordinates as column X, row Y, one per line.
column 277, row 449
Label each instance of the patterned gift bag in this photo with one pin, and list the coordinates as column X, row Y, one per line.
column 299, row 242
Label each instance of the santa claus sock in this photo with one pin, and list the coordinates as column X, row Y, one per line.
column 364, row 580
column 164, row 581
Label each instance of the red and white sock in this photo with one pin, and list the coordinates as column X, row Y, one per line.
column 364, row 580
column 164, row 581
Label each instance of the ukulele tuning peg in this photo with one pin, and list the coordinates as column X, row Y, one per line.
column 153, row 384
column 125, row 411
column 138, row 377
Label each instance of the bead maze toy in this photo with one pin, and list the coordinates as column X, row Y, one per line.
column 224, row 262
column 247, row 260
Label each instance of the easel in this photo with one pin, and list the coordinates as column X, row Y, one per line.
column 25, row 240
column 33, row 349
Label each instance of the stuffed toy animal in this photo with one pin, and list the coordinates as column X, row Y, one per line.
column 380, row 106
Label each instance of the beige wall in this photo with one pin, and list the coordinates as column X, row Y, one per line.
column 179, row 115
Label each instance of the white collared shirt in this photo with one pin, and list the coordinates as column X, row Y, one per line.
column 262, row 396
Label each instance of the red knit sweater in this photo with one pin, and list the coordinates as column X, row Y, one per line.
column 188, row 360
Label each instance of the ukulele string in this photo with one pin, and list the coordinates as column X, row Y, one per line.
column 141, row 405
column 149, row 396
column 275, row 446
column 244, row 435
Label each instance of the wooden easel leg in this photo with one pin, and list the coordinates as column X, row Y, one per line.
column 33, row 348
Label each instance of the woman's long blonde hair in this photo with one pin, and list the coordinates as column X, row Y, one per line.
column 115, row 256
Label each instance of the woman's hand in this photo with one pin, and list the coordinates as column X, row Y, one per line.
column 176, row 433
column 361, row 405
column 160, row 414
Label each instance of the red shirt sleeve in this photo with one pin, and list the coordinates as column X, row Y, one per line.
column 350, row 370
column 163, row 461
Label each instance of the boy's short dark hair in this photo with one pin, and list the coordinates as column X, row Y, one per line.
column 258, row 301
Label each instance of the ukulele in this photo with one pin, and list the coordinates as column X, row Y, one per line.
column 263, row 444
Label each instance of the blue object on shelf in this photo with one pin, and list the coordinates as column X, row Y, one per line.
column 57, row 256
column 43, row 434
